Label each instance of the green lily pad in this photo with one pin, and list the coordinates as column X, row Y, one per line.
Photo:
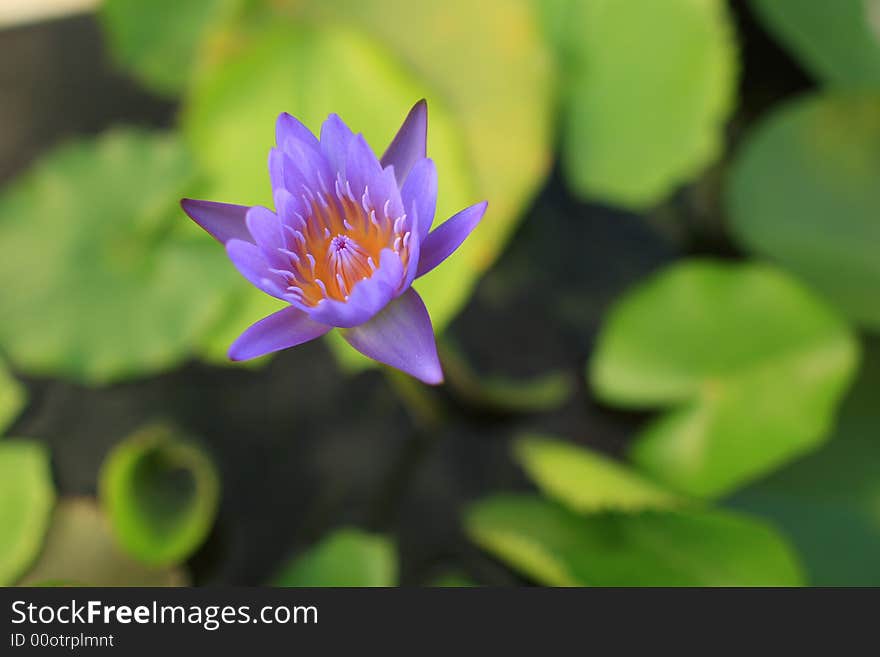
column 647, row 89
column 26, row 499
column 348, row 557
column 751, row 365
column 157, row 40
column 838, row 41
column 585, row 481
column 556, row 547
column 160, row 494
column 79, row 548
column 110, row 282
column 12, row 398
column 829, row 502
column 804, row 192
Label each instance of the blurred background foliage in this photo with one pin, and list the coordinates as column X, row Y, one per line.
column 660, row 345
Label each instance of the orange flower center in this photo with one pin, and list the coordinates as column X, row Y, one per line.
column 339, row 243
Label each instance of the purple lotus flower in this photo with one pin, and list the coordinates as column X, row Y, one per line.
column 349, row 235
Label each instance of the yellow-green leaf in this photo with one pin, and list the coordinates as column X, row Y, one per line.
column 585, row 481
column 556, row 547
column 26, row 499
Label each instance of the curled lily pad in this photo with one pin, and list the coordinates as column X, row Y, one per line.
column 26, row 499
column 804, row 192
column 12, row 398
column 838, row 41
column 638, row 121
column 113, row 287
column 585, row 481
column 557, row 547
column 348, row 557
column 749, row 363
column 79, row 549
column 160, row 494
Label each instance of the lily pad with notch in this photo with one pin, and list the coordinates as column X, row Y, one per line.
column 750, row 365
